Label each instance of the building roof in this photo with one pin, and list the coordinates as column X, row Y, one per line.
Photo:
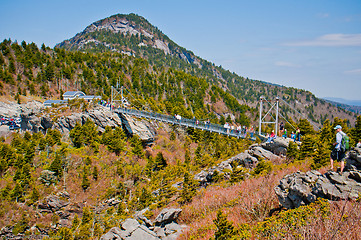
column 73, row 94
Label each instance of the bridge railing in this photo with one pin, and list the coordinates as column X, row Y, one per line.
column 211, row 127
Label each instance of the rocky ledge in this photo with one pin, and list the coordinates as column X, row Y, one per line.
column 34, row 118
column 273, row 151
column 139, row 227
column 300, row 188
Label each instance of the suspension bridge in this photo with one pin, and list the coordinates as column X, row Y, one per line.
column 193, row 123
column 203, row 125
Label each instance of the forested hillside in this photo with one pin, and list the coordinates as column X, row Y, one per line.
column 82, row 184
column 133, row 35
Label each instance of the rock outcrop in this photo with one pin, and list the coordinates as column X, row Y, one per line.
column 273, row 151
column 139, row 227
column 300, row 188
column 33, row 119
column 52, row 204
column 141, row 128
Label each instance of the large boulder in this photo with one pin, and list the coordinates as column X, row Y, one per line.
column 52, row 203
column 246, row 160
column 166, row 216
column 47, row 177
column 141, row 128
column 354, row 159
column 166, row 228
column 300, row 188
column 262, row 153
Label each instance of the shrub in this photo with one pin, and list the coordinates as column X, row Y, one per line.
column 225, row 229
column 263, row 167
column 291, row 223
column 292, row 151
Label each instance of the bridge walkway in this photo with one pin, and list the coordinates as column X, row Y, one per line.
column 182, row 122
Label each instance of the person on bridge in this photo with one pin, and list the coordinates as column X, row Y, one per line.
column 337, row 153
column 206, row 123
column 232, row 129
column 227, row 127
column 239, row 130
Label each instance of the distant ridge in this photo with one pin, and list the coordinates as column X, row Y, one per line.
column 344, row 101
column 350, row 105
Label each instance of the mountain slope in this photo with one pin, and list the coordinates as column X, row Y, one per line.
column 133, row 35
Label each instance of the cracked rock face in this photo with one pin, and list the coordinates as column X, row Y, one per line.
column 140, row 228
column 300, row 188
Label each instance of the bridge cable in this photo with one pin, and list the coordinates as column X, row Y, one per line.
column 300, row 113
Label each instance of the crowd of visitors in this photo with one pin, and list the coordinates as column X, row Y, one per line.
column 241, row 131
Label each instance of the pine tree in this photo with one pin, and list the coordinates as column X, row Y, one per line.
column 322, row 154
column 87, row 216
column 189, row 189
column 137, row 146
column 95, row 173
column 17, row 193
column 57, row 166
column 75, row 222
column 159, row 162
column 35, row 195
column 308, row 146
column 292, row 151
column 145, row 199
column 65, row 233
column 356, row 133
column 305, row 127
column 225, row 229
column 85, row 181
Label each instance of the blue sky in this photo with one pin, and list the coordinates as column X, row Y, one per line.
column 312, row 45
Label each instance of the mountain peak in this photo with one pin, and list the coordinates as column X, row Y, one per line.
column 129, row 34
column 120, row 23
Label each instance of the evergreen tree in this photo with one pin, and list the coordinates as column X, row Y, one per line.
column 145, row 199
column 305, row 127
column 225, row 229
column 56, row 166
column 75, row 222
column 87, row 216
column 327, row 134
column 356, row 133
column 18, row 192
column 189, row 189
column 65, row 233
column 35, row 195
column 84, row 135
column 322, row 154
column 308, row 146
column 159, row 162
column 292, row 151
column 95, row 173
column 85, row 181
column 137, row 146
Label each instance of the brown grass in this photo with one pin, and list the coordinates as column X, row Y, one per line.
column 249, row 201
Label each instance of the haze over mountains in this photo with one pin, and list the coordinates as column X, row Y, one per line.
column 344, row 101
